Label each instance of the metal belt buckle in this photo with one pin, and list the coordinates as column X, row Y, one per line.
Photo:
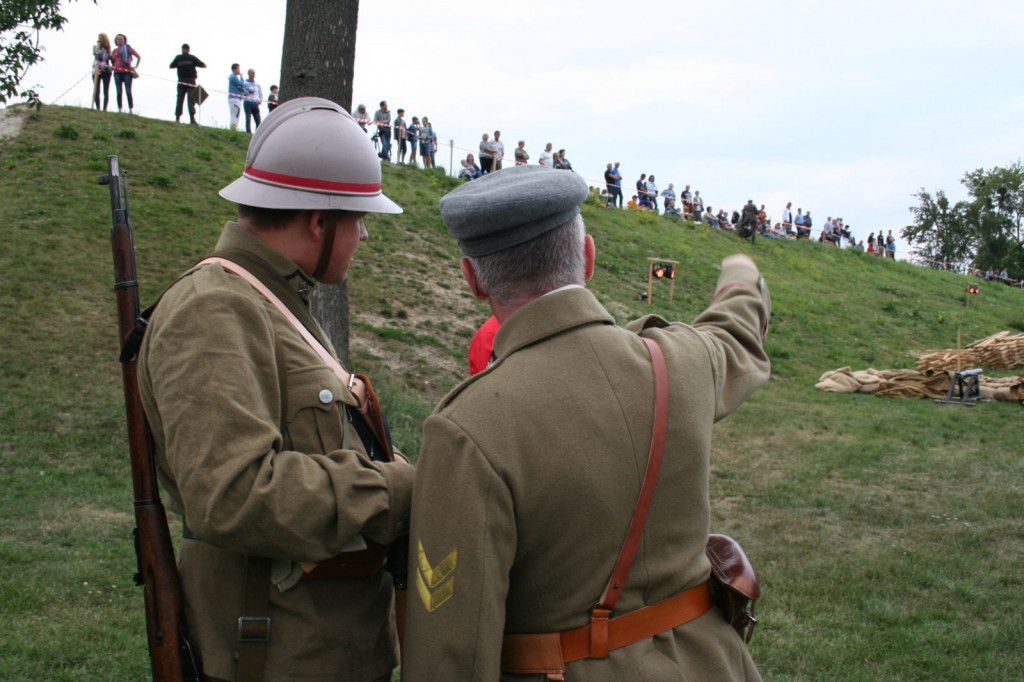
column 250, row 630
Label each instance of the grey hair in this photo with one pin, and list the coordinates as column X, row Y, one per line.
column 531, row 269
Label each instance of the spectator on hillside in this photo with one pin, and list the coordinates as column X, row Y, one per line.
column 186, row 63
column 560, row 162
column 124, row 70
column 641, row 191
column 801, row 231
column 880, row 245
column 807, row 223
column 546, row 157
column 652, row 193
column 486, row 154
column 762, row 220
column 686, row 198
column 469, row 170
column 236, row 95
column 711, row 219
column 499, row 149
column 787, row 218
column 860, row 246
column 633, row 205
column 362, row 116
column 521, row 155
column 273, row 99
column 698, row 205
column 253, row 98
column 871, row 243
column 382, row 117
column 101, row 70
column 890, row 246
column 428, row 143
column 617, row 178
column 723, row 221
column 399, row 135
column 413, row 135
column 669, row 195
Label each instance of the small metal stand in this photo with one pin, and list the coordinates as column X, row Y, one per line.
column 966, row 384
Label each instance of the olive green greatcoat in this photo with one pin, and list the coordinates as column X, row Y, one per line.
column 530, row 472
column 219, row 370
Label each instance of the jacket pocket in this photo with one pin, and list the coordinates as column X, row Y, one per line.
column 315, row 410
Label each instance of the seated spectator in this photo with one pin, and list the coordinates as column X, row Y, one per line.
column 632, row 204
column 711, row 219
column 561, row 162
column 860, row 246
column 723, row 221
column 469, row 170
column 990, row 274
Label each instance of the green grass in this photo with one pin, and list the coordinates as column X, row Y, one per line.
column 888, row 534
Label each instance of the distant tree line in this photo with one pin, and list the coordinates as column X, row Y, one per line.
column 983, row 232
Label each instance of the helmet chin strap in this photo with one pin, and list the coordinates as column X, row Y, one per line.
column 327, row 246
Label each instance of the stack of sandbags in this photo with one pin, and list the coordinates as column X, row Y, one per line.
column 908, row 383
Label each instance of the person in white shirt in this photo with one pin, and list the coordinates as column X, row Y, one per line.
column 251, row 104
column 546, row 157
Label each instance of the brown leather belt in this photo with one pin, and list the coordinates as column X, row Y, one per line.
column 549, row 652
column 362, row 564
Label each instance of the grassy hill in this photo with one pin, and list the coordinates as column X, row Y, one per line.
column 888, row 534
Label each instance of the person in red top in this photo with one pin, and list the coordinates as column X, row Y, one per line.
column 122, row 61
column 481, row 346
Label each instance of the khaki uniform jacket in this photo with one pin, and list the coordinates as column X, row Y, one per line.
column 530, row 472
column 253, row 447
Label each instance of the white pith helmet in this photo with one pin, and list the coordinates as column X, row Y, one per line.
column 309, row 153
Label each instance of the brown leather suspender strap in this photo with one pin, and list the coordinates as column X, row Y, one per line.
column 548, row 653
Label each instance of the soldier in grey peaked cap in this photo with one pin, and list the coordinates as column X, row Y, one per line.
column 273, row 452
column 531, row 470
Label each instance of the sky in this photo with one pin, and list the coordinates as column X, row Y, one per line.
column 845, row 109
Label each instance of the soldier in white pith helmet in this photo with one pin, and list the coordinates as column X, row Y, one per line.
column 270, row 449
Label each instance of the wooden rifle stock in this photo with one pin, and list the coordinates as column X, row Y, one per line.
column 173, row 657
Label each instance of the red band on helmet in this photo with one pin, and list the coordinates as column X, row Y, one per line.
column 313, row 183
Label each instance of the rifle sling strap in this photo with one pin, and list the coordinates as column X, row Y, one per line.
column 254, row 623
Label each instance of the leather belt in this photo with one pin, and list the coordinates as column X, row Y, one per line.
column 549, row 652
column 364, row 563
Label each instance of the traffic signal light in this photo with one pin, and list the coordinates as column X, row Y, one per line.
column 663, row 271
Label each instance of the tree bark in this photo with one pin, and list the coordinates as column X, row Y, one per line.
column 318, row 60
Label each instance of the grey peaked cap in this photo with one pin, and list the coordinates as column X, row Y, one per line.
column 511, row 206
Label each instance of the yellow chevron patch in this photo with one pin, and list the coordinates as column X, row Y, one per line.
column 429, row 578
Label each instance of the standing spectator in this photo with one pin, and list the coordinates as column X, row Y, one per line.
column 486, row 154
column 669, row 195
column 798, row 222
column 617, row 179
column 499, row 150
column 890, row 246
column 559, row 161
column 382, row 117
column 186, row 64
column 521, row 155
column 807, row 223
column 787, row 217
column 102, row 71
column 609, row 183
column 124, row 70
column 880, row 245
column 686, row 198
column 362, row 116
column 871, row 243
column 641, row 191
column 652, row 193
column 546, row 157
column 236, row 95
column 427, row 143
column 253, row 99
column 698, row 204
column 413, row 135
column 273, row 99
column 399, row 135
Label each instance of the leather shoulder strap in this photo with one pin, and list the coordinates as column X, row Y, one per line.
column 636, row 527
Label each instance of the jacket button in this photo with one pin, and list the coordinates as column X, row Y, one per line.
column 326, row 396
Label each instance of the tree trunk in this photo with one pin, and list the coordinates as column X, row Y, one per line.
column 318, row 60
